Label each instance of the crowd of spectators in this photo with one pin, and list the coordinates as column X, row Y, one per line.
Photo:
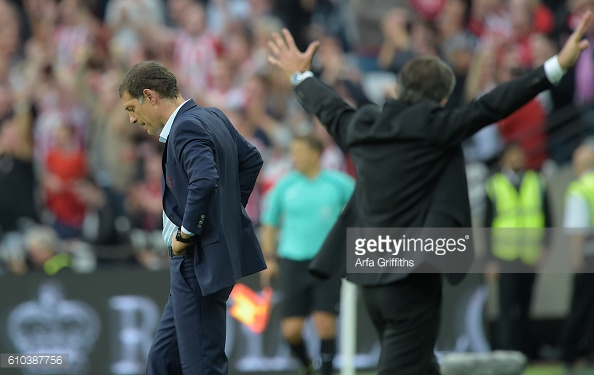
column 77, row 178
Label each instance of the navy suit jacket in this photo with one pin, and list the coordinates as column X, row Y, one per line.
column 209, row 173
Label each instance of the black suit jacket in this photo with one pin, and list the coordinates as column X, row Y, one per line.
column 409, row 160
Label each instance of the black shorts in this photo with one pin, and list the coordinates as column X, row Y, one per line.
column 303, row 293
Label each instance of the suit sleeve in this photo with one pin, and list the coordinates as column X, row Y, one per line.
column 455, row 126
column 249, row 160
column 195, row 149
column 324, row 103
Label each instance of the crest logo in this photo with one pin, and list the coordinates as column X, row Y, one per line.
column 53, row 324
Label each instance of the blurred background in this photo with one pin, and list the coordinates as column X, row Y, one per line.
column 80, row 187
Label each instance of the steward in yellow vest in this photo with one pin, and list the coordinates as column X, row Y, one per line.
column 579, row 222
column 583, row 187
column 518, row 218
column 42, row 244
column 517, row 211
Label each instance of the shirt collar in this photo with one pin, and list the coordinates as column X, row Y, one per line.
column 167, row 129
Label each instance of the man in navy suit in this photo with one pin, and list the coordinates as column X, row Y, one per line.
column 209, row 173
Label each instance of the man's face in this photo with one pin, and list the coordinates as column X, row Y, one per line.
column 141, row 114
column 583, row 159
column 515, row 158
column 304, row 157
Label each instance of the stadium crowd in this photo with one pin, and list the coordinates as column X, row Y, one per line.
column 71, row 161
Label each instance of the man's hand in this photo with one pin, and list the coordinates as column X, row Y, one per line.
column 287, row 57
column 180, row 248
column 575, row 45
column 269, row 273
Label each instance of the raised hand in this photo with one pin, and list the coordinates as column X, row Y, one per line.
column 575, row 45
column 287, row 57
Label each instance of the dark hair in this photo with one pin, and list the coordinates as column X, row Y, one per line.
column 312, row 141
column 425, row 78
column 149, row 75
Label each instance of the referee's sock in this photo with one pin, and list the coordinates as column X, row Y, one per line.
column 300, row 352
column 327, row 353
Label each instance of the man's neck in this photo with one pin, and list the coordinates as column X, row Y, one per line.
column 513, row 175
column 312, row 172
column 170, row 107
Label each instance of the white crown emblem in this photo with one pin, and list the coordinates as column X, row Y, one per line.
column 53, row 325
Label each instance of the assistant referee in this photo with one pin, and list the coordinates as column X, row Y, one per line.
column 303, row 206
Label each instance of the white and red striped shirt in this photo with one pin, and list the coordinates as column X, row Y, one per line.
column 69, row 40
column 193, row 58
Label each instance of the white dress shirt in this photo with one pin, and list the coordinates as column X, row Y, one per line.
column 169, row 228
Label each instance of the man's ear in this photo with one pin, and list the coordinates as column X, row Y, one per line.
column 150, row 96
column 443, row 102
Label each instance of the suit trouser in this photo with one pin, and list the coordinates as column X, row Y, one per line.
column 406, row 316
column 515, row 295
column 190, row 339
column 579, row 325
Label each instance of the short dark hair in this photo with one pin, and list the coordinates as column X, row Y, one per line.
column 312, row 141
column 425, row 78
column 149, row 75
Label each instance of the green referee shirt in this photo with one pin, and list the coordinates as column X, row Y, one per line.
column 305, row 210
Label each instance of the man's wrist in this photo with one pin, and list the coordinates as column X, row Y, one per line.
column 553, row 70
column 186, row 232
column 298, row 77
column 183, row 237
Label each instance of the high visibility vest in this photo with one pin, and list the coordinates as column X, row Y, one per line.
column 518, row 224
column 56, row 263
column 584, row 187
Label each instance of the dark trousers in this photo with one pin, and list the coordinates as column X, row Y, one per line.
column 579, row 325
column 190, row 339
column 406, row 316
column 515, row 295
